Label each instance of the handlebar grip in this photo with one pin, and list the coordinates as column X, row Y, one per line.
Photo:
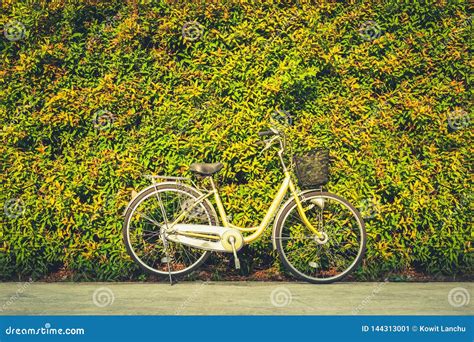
column 264, row 133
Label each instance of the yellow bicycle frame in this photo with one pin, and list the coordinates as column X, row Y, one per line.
column 257, row 231
column 272, row 211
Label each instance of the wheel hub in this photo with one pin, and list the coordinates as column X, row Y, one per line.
column 321, row 240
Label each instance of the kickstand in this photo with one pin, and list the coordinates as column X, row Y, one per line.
column 168, row 262
column 169, row 273
column 165, row 242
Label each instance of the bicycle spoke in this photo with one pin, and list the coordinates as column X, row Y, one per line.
column 148, row 218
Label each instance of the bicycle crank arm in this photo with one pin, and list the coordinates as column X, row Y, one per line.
column 210, row 238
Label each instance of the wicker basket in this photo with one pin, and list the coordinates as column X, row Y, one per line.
column 312, row 168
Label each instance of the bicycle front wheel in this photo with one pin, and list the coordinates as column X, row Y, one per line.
column 312, row 260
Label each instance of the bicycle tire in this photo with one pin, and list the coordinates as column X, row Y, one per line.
column 279, row 239
column 145, row 194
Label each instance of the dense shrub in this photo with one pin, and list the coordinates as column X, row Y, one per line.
column 99, row 93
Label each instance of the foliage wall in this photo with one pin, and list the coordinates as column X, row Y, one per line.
column 97, row 94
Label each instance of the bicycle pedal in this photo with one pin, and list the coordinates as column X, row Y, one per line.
column 236, row 258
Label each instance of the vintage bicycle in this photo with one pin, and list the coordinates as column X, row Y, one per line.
column 171, row 227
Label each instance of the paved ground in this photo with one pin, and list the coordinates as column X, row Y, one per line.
column 236, row 298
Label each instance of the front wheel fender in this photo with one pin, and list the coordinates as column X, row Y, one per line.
column 280, row 212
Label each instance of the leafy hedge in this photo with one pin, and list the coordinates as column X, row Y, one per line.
column 97, row 94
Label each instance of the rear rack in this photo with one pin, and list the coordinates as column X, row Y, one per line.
column 153, row 178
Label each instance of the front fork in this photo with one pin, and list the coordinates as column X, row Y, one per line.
column 320, row 235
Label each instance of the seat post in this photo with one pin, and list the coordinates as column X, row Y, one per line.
column 220, row 206
column 213, row 185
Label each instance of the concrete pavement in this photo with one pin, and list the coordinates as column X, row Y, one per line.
column 236, row 298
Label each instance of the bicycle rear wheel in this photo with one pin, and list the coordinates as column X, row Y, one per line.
column 143, row 231
column 299, row 249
